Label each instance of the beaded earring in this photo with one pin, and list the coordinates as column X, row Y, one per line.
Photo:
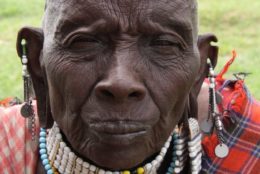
column 194, row 146
column 180, row 145
column 27, row 108
column 214, row 120
column 187, row 144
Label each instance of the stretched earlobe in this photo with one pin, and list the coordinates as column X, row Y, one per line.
column 34, row 38
column 207, row 50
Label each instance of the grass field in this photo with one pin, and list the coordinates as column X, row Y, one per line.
column 236, row 23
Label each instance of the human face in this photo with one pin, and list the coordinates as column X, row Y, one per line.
column 119, row 73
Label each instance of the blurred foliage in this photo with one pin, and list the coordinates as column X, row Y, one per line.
column 236, row 24
column 14, row 14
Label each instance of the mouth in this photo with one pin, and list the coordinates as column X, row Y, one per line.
column 119, row 133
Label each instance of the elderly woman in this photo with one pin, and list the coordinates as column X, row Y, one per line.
column 116, row 84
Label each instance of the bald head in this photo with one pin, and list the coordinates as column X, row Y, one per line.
column 121, row 15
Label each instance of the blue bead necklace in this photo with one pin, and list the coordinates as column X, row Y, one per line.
column 43, row 152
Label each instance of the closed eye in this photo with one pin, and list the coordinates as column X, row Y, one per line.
column 166, row 44
column 85, row 43
column 162, row 42
column 86, row 39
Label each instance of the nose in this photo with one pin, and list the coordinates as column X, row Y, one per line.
column 120, row 90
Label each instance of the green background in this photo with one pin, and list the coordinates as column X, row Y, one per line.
column 235, row 22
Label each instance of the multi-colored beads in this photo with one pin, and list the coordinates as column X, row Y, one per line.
column 56, row 154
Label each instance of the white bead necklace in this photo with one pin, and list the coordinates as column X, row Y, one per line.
column 66, row 162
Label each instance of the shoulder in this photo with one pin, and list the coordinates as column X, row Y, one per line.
column 16, row 152
column 10, row 112
column 11, row 117
column 11, row 137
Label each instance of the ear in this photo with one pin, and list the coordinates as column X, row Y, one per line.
column 206, row 51
column 34, row 39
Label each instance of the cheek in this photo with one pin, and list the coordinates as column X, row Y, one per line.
column 69, row 86
column 170, row 88
column 172, row 84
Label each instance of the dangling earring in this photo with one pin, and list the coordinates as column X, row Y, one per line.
column 180, row 146
column 27, row 110
column 214, row 120
column 194, row 146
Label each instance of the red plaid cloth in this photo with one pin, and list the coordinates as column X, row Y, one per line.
column 244, row 140
column 16, row 155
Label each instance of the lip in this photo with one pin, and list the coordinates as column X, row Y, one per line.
column 118, row 128
column 118, row 133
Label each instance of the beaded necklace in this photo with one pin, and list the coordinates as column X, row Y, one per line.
column 58, row 158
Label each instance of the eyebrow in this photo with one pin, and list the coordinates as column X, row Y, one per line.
column 101, row 26
column 155, row 27
column 67, row 27
column 178, row 28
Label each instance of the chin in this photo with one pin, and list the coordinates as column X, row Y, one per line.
column 114, row 145
column 119, row 157
column 116, row 151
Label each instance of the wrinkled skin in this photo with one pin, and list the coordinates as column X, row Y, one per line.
column 117, row 76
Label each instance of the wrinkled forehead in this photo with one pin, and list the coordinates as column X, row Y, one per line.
column 123, row 14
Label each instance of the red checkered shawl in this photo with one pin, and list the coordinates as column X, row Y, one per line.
column 242, row 118
column 244, row 140
column 16, row 154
